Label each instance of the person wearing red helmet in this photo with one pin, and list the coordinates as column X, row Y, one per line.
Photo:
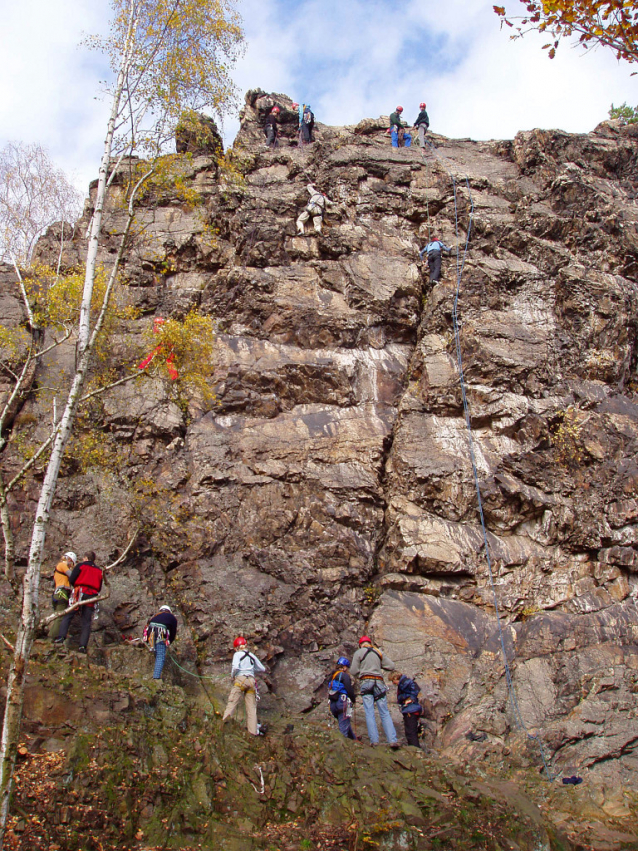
column 271, row 129
column 395, row 121
column 243, row 669
column 421, row 124
column 368, row 664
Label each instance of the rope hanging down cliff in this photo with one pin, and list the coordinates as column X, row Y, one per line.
column 460, row 265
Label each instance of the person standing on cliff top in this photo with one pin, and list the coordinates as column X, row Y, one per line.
column 396, row 125
column 421, row 124
column 271, row 129
column 316, row 207
column 160, row 632
column 433, row 250
column 243, row 669
column 368, row 663
column 62, row 590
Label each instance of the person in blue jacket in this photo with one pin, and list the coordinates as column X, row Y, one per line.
column 433, row 250
column 408, row 699
column 342, row 696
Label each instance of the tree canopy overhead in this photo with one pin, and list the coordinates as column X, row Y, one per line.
column 611, row 23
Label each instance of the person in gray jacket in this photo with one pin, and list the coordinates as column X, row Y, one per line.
column 368, row 664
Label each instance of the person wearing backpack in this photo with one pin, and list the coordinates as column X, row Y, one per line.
column 307, row 125
column 421, row 124
column 397, row 128
column 368, row 664
column 243, row 669
column 342, row 697
column 86, row 579
column 160, row 632
column 408, row 699
column 62, row 590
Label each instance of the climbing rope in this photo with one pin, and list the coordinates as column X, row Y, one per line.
column 460, row 265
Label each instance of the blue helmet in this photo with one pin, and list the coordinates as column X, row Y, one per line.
column 343, row 661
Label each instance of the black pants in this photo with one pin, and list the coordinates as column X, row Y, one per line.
column 271, row 136
column 411, row 724
column 86, row 617
column 306, row 132
column 434, row 262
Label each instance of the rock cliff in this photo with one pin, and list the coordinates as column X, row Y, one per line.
column 329, row 488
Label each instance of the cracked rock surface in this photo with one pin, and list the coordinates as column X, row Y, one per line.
column 330, row 488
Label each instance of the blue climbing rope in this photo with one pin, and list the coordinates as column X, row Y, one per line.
column 460, row 266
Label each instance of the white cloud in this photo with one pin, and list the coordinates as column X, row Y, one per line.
column 349, row 59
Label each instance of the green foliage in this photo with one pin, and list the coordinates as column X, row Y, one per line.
column 626, row 114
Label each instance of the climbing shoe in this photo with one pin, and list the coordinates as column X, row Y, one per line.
column 59, row 640
column 81, row 649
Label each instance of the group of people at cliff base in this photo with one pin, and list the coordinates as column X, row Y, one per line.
column 81, row 582
column 397, row 129
column 368, row 665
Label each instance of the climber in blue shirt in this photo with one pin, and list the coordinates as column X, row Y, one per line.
column 408, row 699
column 433, row 250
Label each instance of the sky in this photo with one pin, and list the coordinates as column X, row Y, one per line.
column 349, row 59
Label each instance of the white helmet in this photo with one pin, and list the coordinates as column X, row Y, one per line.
column 72, row 557
column 165, row 609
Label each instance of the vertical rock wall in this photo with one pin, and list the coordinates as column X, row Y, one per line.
column 330, row 486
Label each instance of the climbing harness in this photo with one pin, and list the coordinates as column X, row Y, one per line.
column 460, row 266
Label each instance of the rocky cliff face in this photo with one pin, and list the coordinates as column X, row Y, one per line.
column 330, row 487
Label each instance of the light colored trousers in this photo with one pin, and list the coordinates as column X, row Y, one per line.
column 243, row 686
column 422, row 132
column 384, row 714
column 303, row 218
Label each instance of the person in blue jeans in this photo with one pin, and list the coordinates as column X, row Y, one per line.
column 159, row 633
column 368, row 664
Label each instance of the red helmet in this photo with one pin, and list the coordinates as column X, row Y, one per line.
column 399, row 109
column 295, row 106
column 275, row 109
column 239, row 642
column 421, row 106
column 363, row 639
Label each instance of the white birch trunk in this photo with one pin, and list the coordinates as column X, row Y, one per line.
column 31, row 582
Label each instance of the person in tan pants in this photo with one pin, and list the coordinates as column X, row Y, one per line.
column 244, row 666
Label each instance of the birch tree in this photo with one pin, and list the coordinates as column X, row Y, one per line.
column 166, row 56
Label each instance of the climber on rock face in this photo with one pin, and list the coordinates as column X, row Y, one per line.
column 433, row 250
column 159, row 633
column 421, row 124
column 342, row 696
column 315, row 208
column 271, row 129
column 368, row 664
column 395, row 122
column 244, row 666
column 408, row 699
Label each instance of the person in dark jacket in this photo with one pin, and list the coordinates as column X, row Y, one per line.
column 342, row 697
column 307, row 125
column 421, row 124
column 408, row 699
column 433, row 250
column 86, row 579
column 159, row 633
column 270, row 127
column 395, row 121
